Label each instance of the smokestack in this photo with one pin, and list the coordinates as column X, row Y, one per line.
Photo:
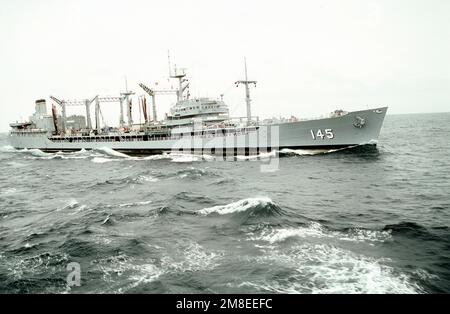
column 41, row 107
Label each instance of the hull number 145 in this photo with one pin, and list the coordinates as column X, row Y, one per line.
column 322, row 134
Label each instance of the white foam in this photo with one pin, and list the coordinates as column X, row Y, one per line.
column 75, row 155
column 239, row 206
column 371, row 142
column 327, row 269
column 106, row 219
column 142, row 178
column 18, row 266
column 112, row 152
column 363, row 235
column 39, row 153
column 7, row 149
column 193, row 258
column 8, row 191
column 306, row 152
column 155, row 157
column 259, row 156
column 79, row 209
column 101, row 160
column 280, row 235
column 70, row 204
column 134, row 204
column 145, row 273
column 316, row 230
column 119, row 266
column 184, row 158
column 191, row 171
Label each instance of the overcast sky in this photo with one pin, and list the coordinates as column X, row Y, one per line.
column 309, row 57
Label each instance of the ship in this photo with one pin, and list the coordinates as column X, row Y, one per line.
column 197, row 125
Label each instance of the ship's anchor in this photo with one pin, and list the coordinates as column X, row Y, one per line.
column 359, row 122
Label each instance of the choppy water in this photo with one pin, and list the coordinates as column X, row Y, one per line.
column 361, row 220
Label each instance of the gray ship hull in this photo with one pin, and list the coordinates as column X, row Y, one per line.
column 353, row 128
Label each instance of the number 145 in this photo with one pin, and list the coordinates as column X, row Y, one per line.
column 326, row 133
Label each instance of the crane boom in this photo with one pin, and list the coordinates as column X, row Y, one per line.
column 153, row 93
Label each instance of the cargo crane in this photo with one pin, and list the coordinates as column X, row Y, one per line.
column 153, row 93
column 126, row 99
column 120, row 100
column 85, row 102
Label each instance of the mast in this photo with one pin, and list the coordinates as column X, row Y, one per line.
column 246, row 83
column 64, row 116
column 126, row 98
column 88, row 114
column 130, row 118
column 54, row 116
column 97, row 116
column 155, row 118
column 121, row 119
column 143, row 102
column 181, row 76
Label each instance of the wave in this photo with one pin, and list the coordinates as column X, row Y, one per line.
column 29, row 269
column 305, row 152
column 188, row 197
column 134, row 204
column 322, row 268
column 146, row 178
column 70, row 204
column 123, row 205
column 123, row 273
column 188, row 158
column 108, row 221
column 138, row 179
column 111, row 152
column 8, row 149
column 106, row 154
column 239, row 206
column 256, row 157
column 101, row 160
column 153, row 157
column 8, row 191
column 412, row 230
column 39, row 154
column 192, row 173
column 193, row 258
column 316, row 230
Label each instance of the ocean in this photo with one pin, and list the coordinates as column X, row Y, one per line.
column 358, row 220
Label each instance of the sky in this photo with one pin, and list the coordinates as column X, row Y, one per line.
column 309, row 57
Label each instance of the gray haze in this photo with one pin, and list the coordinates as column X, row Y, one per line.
column 309, row 57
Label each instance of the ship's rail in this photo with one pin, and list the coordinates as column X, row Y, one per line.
column 156, row 137
column 25, row 132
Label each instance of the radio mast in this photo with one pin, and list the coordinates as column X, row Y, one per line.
column 247, row 84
